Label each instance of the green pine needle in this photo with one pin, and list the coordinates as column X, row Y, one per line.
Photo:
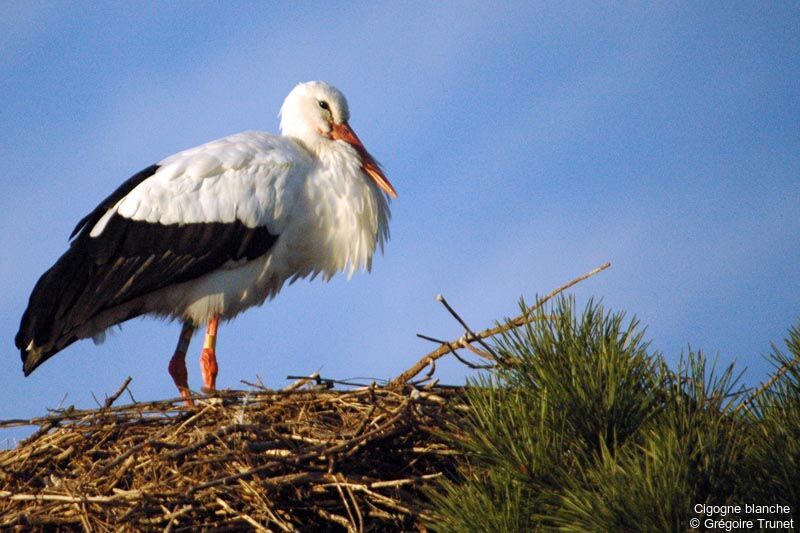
column 583, row 428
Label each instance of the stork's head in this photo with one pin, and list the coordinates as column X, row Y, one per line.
column 316, row 112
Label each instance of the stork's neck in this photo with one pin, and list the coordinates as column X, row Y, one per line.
column 349, row 213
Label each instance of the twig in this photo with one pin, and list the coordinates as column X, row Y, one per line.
column 347, row 502
column 113, row 398
column 335, row 518
column 453, row 350
column 127, row 496
column 244, row 516
column 75, row 414
column 520, row 320
column 463, row 361
column 432, row 339
column 259, row 386
column 301, row 381
column 174, row 515
column 470, row 337
column 133, row 400
column 524, row 318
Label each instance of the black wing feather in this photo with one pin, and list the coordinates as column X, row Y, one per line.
column 127, row 186
column 129, row 259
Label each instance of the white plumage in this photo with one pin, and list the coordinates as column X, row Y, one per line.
column 327, row 218
column 245, row 214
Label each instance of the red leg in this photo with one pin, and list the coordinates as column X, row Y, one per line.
column 177, row 365
column 208, row 359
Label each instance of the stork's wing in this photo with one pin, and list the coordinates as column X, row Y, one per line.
column 173, row 222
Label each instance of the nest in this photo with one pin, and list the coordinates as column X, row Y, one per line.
column 299, row 458
column 307, row 457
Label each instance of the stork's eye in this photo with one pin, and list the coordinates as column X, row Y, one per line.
column 324, row 105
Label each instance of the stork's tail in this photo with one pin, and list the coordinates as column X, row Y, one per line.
column 52, row 316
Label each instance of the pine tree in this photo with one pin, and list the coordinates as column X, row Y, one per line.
column 581, row 427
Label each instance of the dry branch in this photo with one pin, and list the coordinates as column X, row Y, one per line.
column 465, row 341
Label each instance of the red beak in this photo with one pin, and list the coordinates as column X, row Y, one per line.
column 342, row 132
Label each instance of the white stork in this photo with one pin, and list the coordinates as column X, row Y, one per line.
column 213, row 230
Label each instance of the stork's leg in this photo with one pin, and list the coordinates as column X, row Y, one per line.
column 208, row 359
column 177, row 365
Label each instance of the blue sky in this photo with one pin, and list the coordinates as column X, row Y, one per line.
column 528, row 143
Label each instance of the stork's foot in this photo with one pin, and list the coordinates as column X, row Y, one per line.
column 209, row 369
column 187, row 397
